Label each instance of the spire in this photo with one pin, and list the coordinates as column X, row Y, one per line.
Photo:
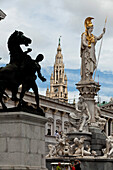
column 52, row 76
column 47, row 92
column 65, row 77
column 59, row 47
column 59, row 40
column 58, row 82
column 59, row 56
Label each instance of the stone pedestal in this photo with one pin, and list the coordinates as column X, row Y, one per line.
column 98, row 141
column 89, row 90
column 22, row 141
column 86, row 163
column 87, row 136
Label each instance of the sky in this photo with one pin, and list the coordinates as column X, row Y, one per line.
column 44, row 21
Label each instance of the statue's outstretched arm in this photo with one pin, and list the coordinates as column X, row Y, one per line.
column 98, row 38
column 38, row 70
column 40, row 76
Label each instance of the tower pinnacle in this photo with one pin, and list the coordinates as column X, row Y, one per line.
column 59, row 40
column 58, row 80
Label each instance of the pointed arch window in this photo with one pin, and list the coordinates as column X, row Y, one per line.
column 60, row 72
column 57, row 75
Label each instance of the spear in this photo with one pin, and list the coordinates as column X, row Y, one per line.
column 100, row 49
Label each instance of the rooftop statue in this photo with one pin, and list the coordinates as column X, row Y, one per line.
column 20, row 70
column 88, row 57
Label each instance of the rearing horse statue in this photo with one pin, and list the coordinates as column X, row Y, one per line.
column 16, row 53
column 20, row 70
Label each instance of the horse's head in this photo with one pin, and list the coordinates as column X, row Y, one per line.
column 17, row 39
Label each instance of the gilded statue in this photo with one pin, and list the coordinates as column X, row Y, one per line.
column 88, row 57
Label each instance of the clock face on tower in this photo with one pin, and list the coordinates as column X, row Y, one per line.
column 56, row 90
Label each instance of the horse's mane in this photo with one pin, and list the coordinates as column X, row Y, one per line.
column 14, row 46
column 13, row 41
column 13, row 37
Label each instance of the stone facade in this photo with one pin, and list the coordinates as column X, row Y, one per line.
column 58, row 80
column 57, row 114
column 107, row 112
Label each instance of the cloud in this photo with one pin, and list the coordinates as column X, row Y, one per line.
column 42, row 91
column 45, row 20
column 73, row 95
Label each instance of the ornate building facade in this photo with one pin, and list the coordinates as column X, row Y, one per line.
column 58, row 80
column 57, row 114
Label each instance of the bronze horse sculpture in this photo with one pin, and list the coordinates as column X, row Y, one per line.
column 20, row 70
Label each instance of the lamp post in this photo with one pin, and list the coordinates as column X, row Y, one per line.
column 2, row 15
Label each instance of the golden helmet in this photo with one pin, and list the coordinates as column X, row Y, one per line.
column 88, row 22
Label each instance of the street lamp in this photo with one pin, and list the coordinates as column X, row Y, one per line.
column 2, row 15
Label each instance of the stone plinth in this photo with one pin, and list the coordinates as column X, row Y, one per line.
column 98, row 141
column 22, row 141
column 73, row 135
column 86, row 163
column 88, row 89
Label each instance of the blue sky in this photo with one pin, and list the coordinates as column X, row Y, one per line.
column 45, row 20
column 73, row 75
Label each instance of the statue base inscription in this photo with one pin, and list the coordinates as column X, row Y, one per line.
column 22, row 141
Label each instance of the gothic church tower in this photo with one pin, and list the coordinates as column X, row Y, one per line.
column 58, row 80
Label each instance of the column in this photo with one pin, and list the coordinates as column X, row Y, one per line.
column 55, row 74
column 63, row 121
column 46, row 125
column 107, row 127
column 54, row 124
column 111, row 126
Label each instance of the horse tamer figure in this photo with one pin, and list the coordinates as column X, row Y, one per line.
column 20, row 70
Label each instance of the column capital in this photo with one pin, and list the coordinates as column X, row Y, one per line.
column 46, row 109
column 63, row 113
column 55, row 111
